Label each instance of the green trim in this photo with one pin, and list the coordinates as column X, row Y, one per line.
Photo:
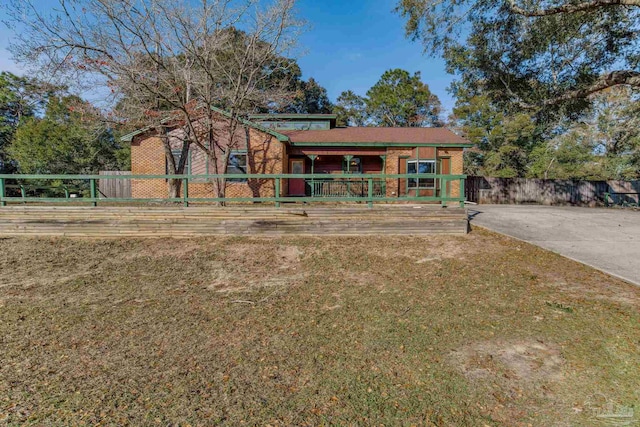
column 185, row 199
column 251, row 176
column 292, row 116
column 2, row 193
column 377, row 144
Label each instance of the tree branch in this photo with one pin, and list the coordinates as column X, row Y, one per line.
column 614, row 78
column 571, row 8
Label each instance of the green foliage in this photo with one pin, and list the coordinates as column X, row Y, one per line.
column 310, row 98
column 536, row 81
column 398, row 99
column 63, row 141
column 351, row 109
column 20, row 98
column 570, row 156
column 503, row 142
column 527, row 53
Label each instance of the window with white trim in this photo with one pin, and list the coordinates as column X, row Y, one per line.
column 421, row 166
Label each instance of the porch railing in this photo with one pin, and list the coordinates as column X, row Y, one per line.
column 241, row 188
column 345, row 187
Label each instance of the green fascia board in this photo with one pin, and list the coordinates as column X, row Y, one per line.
column 293, row 116
column 129, row 137
column 280, row 137
column 378, row 144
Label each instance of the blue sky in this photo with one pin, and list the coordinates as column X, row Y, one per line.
column 347, row 45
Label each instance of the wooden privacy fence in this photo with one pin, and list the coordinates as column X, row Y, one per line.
column 115, row 188
column 546, row 191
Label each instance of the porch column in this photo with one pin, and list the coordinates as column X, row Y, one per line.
column 313, row 160
column 348, row 159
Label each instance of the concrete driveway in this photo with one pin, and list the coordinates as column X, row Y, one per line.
column 607, row 239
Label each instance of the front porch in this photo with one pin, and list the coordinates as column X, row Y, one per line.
column 351, row 172
column 335, row 164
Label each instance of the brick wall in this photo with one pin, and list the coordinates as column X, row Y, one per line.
column 395, row 154
column 391, row 167
column 148, row 158
column 457, row 167
column 265, row 155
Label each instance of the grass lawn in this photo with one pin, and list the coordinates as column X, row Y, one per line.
column 472, row 330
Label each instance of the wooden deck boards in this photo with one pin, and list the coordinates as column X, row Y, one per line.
column 209, row 221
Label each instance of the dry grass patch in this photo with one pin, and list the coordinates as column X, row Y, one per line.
column 471, row 330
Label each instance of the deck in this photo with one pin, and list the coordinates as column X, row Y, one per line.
column 81, row 221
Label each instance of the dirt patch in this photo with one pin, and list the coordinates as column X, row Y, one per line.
column 525, row 361
column 289, row 256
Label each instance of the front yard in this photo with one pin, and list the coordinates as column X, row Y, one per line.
column 472, row 330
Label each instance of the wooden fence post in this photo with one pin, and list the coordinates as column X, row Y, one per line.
column 461, row 192
column 370, row 192
column 277, row 192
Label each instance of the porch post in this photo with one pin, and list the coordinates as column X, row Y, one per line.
column 348, row 159
column 313, row 161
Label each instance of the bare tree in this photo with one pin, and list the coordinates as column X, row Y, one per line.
column 166, row 63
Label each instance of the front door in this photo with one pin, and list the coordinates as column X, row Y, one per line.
column 296, row 185
column 445, row 169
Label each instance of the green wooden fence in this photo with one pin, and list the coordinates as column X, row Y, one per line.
column 87, row 188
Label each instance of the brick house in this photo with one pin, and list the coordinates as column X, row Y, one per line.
column 308, row 144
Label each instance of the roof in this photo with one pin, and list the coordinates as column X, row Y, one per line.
column 129, row 137
column 373, row 136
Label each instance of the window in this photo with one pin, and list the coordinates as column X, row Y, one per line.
column 421, row 166
column 237, row 165
column 352, row 166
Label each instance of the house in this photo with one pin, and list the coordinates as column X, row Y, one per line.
column 268, row 144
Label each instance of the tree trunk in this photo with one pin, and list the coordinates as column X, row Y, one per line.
column 174, row 188
column 222, row 182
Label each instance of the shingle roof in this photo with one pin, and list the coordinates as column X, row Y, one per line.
column 357, row 135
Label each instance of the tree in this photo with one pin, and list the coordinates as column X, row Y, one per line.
column 398, row 99
column 503, row 141
column 64, row 141
column 605, row 144
column 548, row 54
column 168, row 62
column 20, row 98
column 351, row 109
column 310, row 98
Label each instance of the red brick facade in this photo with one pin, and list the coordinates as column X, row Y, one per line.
column 267, row 155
